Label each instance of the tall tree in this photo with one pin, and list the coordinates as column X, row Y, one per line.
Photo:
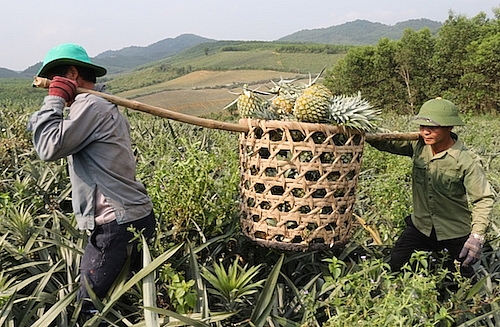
column 480, row 84
column 481, row 80
column 371, row 71
column 413, row 59
column 389, row 92
column 353, row 73
column 450, row 54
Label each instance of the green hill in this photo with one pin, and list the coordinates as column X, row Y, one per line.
column 360, row 32
column 128, row 58
column 7, row 73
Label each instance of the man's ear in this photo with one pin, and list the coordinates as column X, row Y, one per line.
column 72, row 73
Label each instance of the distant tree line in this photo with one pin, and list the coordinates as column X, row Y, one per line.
column 313, row 48
column 460, row 63
column 287, row 47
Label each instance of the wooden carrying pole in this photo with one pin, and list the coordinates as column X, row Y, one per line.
column 203, row 122
column 156, row 111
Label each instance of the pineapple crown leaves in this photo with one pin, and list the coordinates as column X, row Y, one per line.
column 283, row 85
column 288, row 88
column 313, row 81
column 286, row 91
column 247, row 92
column 251, row 105
column 265, row 114
column 354, row 112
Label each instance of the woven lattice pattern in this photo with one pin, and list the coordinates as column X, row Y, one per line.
column 298, row 183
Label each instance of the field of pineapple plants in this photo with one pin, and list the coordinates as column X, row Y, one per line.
column 200, row 270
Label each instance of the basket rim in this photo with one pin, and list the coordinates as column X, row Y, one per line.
column 295, row 125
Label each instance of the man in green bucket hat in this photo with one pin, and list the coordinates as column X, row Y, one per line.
column 94, row 137
column 68, row 54
column 445, row 177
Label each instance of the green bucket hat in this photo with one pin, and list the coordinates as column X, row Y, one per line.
column 438, row 112
column 68, row 54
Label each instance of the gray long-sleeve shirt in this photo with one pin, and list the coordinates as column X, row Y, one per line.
column 95, row 138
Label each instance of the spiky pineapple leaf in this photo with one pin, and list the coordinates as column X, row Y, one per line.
column 354, row 112
column 265, row 301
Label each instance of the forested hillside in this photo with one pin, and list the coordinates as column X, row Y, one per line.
column 131, row 57
column 126, row 59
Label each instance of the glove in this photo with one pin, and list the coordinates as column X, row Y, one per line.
column 472, row 249
column 63, row 87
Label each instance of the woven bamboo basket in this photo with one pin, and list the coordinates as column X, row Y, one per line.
column 298, row 183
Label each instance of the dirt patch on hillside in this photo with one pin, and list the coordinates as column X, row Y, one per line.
column 232, row 78
column 204, row 92
column 191, row 102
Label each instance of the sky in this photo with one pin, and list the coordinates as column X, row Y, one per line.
column 29, row 29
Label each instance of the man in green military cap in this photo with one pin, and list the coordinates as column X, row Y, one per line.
column 95, row 138
column 446, row 176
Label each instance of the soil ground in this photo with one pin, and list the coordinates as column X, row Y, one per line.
column 204, row 92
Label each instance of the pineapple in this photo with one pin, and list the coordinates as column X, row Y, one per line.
column 353, row 112
column 312, row 105
column 283, row 104
column 285, row 95
column 251, row 105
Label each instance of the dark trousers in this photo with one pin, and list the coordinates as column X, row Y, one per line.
column 412, row 240
column 106, row 253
